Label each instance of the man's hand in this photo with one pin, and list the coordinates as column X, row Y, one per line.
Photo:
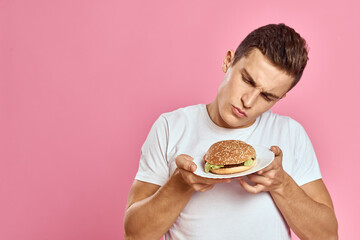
column 186, row 167
column 271, row 178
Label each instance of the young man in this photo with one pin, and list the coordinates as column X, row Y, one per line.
column 168, row 198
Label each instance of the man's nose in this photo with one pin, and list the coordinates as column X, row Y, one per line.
column 250, row 96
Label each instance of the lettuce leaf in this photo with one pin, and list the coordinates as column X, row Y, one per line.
column 248, row 162
column 208, row 166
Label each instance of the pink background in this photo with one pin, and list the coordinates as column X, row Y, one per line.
column 81, row 83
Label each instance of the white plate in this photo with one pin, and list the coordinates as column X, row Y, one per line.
column 263, row 158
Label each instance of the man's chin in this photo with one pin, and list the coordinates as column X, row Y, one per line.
column 235, row 122
column 232, row 123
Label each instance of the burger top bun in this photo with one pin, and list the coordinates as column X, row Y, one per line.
column 229, row 152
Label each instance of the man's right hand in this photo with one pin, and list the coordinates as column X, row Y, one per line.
column 153, row 209
column 186, row 167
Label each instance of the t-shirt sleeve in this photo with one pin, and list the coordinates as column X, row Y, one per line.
column 306, row 164
column 153, row 164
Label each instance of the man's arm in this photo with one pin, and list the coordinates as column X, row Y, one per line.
column 308, row 209
column 152, row 210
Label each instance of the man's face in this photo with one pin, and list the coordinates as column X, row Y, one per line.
column 249, row 88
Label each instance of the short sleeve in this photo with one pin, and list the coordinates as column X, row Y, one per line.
column 306, row 167
column 153, row 164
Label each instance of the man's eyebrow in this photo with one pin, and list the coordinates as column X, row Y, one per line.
column 252, row 82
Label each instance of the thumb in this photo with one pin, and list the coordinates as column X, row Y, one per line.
column 276, row 150
column 185, row 162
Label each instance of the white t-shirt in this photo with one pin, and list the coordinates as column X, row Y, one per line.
column 227, row 211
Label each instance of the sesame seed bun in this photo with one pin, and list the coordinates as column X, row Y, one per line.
column 228, row 153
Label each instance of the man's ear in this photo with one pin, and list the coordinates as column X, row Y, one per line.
column 229, row 58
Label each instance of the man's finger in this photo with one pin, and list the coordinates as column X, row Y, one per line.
column 202, row 187
column 185, row 162
column 264, row 170
column 199, row 186
column 276, row 150
column 278, row 154
column 209, row 187
column 214, row 181
column 251, row 189
column 203, row 180
column 258, row 179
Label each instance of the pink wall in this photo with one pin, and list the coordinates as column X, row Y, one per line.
column 81, row 83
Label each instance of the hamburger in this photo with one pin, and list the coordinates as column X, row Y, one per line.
column 229, row 156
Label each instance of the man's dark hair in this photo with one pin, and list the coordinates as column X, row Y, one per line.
column 284, row 47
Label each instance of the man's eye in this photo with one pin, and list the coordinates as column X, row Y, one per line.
column 266, row 97
column 246, row 80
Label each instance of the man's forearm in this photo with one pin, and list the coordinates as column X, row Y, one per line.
column 306, row 217
column 151, row 218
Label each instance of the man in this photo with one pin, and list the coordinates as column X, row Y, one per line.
column 168, row 198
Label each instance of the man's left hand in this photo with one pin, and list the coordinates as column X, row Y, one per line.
column 271, row 178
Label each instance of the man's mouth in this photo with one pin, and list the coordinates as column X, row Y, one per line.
column 238, row 112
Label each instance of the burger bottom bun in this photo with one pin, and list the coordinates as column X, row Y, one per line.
column 232, row 169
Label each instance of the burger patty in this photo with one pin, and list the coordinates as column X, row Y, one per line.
column 234, row 165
